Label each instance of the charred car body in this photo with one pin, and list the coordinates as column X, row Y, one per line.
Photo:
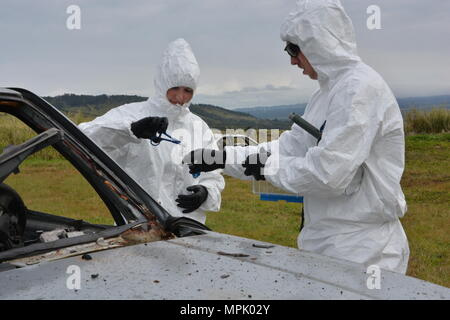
column 130, row 206
column 168, row 257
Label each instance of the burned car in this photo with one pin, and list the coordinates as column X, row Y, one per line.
column 148, row 253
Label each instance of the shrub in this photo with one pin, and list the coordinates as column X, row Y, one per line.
column 435, row 121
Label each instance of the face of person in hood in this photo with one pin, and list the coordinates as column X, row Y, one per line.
column 302, row 62
column 177, row 75
column 325, row 34
column 298, row 59
column 180, row 95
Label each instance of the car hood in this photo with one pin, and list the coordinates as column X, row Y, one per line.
column 210, row 266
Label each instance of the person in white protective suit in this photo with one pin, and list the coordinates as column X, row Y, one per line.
column 350, row 179
column 129, row 134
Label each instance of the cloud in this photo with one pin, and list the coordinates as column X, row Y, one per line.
column 236, row 43
column 267, row 88
column 267, row 95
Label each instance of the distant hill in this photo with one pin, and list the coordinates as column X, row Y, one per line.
column 220, row 118
column 424, row 102
column 274, row 117
column 274, row 112
column 91, row 105
column 215, row 117
column 406, row 104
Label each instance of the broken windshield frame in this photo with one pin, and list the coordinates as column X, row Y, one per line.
column 128, row 203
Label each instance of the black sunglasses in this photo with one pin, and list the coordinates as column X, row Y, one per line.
column 292, row 49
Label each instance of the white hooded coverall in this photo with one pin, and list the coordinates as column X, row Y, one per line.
column 159, row 169
column 350, row 180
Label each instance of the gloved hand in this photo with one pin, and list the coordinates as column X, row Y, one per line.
column 148, row 128
column 254, row 163
column 193, row 201
column 205, row 160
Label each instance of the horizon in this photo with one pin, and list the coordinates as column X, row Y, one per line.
column 247, row 107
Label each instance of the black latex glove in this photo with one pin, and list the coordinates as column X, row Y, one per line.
column 192, row 201
column 254, row 163
column 205, row 160
column 150, row 128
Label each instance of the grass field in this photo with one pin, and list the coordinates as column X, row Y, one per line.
column 48, row 183
column 53, row 186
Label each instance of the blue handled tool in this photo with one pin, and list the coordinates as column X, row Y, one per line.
column 159, row 139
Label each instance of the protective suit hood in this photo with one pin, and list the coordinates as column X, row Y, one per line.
column 159, row 169
column 325, row 35
column 350, row 180
column 177, row 68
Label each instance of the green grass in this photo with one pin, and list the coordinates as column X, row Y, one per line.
column 436, row 120
column 243, row 214
column 13, row 132
column 54, row 187
column 426, row 184
column 48, row 183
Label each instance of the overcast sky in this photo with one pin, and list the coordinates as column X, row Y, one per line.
column 236, row 42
